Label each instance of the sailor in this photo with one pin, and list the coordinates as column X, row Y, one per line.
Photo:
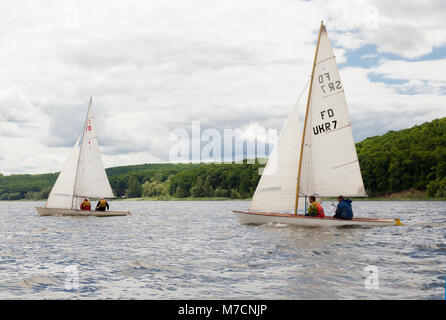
column 315, row 209
column 86, row 205
column 102, row 204
column 344, row 209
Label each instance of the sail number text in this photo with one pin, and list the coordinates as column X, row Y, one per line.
column 326, row 126
column 327, row 85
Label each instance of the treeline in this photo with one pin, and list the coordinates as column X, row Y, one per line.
column 164, row 180
column 235, row 181
column 26, row 186
column 413, row 158
column 38, row 186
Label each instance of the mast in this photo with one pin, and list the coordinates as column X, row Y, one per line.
column 80, row 152
column 306, row 117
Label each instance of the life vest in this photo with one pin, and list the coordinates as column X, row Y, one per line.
column 86, row 205
column 320, row 210
column 102, row 204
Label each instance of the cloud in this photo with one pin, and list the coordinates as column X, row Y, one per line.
column 376, row 107
column 407, row 29
column 155, row 67
column 16, row 108
column 430, row 70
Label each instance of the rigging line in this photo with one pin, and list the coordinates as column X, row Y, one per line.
column 303, row 91
column 297, row 102
column 295, row 106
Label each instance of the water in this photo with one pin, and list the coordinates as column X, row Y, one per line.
column 198, row 250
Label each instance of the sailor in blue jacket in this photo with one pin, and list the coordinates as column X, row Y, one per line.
column 344, row 209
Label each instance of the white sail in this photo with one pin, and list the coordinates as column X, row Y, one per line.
column 91, row 180
column 330, row 164
column 61, row 195
column 276, row 190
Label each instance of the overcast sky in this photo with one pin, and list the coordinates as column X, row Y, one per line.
column 155, row 66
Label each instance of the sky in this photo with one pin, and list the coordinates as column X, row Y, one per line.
column 156, row 66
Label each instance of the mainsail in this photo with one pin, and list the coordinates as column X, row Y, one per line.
column 328, row 161
column 83, row 174
column 91, row 180
column 330, row 164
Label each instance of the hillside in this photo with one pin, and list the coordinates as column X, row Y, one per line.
column 413, row 158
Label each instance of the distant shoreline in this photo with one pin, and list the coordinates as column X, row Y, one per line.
column 181, row 199
column 389, row 199
column 247, row 199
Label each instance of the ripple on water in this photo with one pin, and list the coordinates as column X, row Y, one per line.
column 172, row 250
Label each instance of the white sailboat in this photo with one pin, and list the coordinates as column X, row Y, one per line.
column 322, row 161
column 82, row 176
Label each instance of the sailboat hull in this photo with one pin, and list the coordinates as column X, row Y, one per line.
column 258, row 218
column 81, row 213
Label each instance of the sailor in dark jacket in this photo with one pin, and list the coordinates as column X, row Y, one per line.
column 344, row 209
column 102, row 204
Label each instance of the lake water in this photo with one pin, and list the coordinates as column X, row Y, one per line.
column 198, row 250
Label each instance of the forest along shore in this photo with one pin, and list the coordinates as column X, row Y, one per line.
column 409, row 164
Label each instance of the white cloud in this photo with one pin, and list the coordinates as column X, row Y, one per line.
column 15, row 108
column 155, row 66
column 409, row 29
column 376, row 107
column 432, row 70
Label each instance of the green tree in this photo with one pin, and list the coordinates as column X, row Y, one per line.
column 244, row 187
column 179, row 193
column 198, row 190
column 208, row 189
column 235, row 194
column 441, row 192
column 135, row 189
column 413, row 158
column 14, row 196
column 219, row 192
column 432, row 188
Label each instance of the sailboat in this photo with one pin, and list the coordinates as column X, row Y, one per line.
column 82, row 176
column 322, row 161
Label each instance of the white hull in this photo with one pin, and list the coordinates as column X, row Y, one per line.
column 258, row 218
column 74, row 212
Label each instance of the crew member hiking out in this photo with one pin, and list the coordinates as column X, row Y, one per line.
column 315, row 209
column 102, row 205
column 344, row 209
